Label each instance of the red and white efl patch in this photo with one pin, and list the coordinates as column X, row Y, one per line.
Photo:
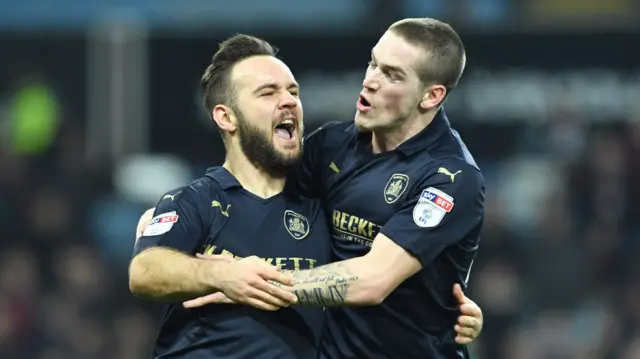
column 437, row 199
column 168, row 219
column 432, row 207
column 161, row 224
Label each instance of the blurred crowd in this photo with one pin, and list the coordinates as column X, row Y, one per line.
column 556, row 274
column 557, row 270
column 63, row 287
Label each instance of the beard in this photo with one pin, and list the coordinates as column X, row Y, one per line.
column 258, row 146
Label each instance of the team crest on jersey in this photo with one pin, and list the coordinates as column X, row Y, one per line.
column 161, row 224
column 296, row 224
column 396, row 187
column 431, row 208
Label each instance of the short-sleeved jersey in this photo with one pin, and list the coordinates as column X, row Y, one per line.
column 215, row 215
column 427, row 196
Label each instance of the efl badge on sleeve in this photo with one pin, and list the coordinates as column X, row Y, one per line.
column 431, row 208
column 296, row 224
column 396, row 187
column 161, row 224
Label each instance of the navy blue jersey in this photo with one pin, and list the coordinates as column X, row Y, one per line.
column 427, row 196
column 215, row 215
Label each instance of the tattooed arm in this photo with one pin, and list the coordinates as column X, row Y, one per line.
column 360, row 281
column 365, row 280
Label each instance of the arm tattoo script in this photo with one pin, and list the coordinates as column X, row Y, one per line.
column 324, row 286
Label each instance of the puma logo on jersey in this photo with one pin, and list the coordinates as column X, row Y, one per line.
column 171, row 196
column 225, row 212
column 446, row 172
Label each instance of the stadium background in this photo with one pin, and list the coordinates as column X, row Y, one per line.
column 99, row 114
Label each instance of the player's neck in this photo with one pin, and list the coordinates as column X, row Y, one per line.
column 251, row 177
column 390, row 139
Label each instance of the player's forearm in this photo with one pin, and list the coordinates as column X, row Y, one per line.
column 163, row 274
column 342, row 283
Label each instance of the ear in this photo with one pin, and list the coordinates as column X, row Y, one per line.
column 433, row 97
column 224, row 117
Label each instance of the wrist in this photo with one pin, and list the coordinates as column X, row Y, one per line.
column 211, row 274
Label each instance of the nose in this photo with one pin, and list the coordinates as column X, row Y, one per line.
column 288, row 101
column 370, row 82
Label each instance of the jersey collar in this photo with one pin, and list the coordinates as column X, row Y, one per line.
column 423, row 140
column 224, row 178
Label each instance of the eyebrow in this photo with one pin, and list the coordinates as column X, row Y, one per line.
column 274, row 86
column 389, row 67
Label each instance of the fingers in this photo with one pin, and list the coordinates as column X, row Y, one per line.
column 465, row 332
column 215, row 298
column 271, row 273
column 274, row 286
column 255, row 298
column 144, row 221
column 250, row 281
column 459, row 294
column 463, row 340
column 471, row 310
column 276, row 289
column 221, row 298
column 273, row 295
column 147, row 217
column 468, row 327
column 272, row 281
column 253, row 282
column 261, row 305
column 467, row 321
